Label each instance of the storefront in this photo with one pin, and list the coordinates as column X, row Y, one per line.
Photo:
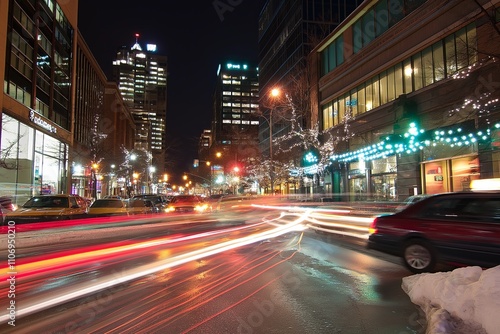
column 383, row 179
column 32, row 161
column 452, row 173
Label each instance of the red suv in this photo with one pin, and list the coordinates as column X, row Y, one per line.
column 455, row 228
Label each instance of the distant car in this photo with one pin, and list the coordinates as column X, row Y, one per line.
column 461, row 228
column 139, row 206
column 411, row 200
column 188, row 204
column 112, row 196
column 107, row 207
column 42, row 208
column 215, row 201
column 159, row 201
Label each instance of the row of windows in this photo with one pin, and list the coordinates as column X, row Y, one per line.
column 42, row 108
column 247, row 115
column 44, row 43
column 247, row 97
column 21, row 63
column 244, row 105
column 385, row 14
column 438, row 61
column 17, row 93
column 228, row 121
column 23, row 19
column 22, row 45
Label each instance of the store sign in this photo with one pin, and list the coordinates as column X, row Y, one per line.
column 41, row 122
column 311, row 170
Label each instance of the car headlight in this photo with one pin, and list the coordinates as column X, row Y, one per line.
column 201, row 208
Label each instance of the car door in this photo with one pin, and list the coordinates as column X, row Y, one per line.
column 481, row 220
column 464, row 229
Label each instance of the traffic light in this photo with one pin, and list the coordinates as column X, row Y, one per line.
column 196, row 163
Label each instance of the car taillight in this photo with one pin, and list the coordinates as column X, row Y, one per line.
column 373, row 227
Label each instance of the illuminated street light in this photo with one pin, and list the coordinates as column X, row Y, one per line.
column 275, row 93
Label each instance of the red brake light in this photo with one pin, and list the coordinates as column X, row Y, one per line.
column 373, row 227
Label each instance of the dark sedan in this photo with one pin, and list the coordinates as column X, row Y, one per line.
column 460, row 228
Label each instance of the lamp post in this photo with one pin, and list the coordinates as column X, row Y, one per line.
column 112, row 179
column 275, row 92
column 131, row 184
column 94, row 179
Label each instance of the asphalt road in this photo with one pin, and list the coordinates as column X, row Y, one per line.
column 245, row 271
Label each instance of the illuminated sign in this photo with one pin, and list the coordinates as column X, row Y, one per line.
column 41, row 122
column 151, row 47
column 310, row 158
column 236, row 66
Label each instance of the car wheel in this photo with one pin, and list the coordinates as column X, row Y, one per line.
column 419, row 256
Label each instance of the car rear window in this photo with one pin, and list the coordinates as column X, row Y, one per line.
column 47, row 202
column 107, row 204
column 470, row 208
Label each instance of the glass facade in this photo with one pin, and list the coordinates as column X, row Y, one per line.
column 32, row 162
column 38, row 75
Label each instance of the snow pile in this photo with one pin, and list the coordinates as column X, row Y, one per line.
column 465, row 300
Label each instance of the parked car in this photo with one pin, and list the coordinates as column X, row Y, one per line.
column 42, row 208
column 139, row 206
column 159, row 201
column 106, row 207
column 188, row 204
column 6, row 206
column 461, row 228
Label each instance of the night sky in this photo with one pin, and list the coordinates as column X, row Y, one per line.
column 195, row 36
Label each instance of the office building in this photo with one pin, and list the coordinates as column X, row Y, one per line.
column 413, row 104
column 53, row 103
column 235, row 121
column 37, row 39
column 141, row 75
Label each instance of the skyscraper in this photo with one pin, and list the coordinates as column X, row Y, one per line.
column 236, row 101
column 142, row 80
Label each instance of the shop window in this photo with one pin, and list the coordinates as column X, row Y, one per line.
column 436, row 177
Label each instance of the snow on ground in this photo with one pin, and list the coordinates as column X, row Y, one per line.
column 463, row 301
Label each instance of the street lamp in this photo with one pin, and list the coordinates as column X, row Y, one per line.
column 93, row 171
column 275, row 93
column 112, row 179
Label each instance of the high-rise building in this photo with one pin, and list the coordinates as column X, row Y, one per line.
column 288, row 30
column 37, row 39
column 142, row 80
column 236, row 103
column 410, row 104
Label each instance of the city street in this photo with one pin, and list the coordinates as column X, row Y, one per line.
column 261, row 276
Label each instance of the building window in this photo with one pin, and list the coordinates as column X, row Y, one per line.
column 439, row 61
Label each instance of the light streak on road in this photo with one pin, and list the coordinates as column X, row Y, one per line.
column 80, row 256
column 68, row 293
column 335, row 221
